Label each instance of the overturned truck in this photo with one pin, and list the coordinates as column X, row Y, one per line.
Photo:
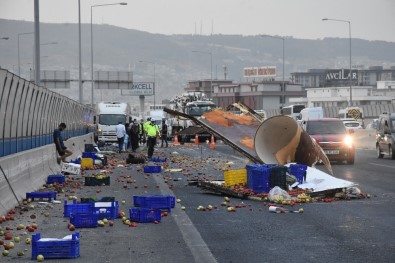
column 278, row 139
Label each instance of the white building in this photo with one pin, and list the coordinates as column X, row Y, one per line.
column 340, row 96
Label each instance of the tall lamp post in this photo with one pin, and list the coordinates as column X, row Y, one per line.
column 283, row 88
column 92, row 79
column 154, row 91
column 80, row 95
column 211, row 69
column 19, row 59
column 349, row 32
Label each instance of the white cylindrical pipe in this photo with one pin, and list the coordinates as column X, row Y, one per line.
column 281, row 140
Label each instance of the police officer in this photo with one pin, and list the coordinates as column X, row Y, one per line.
column 152, row 132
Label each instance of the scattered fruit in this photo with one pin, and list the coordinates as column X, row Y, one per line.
column 40, row 258
column 71, row 227
column 231, row 209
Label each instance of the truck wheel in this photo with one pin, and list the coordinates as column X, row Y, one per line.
column 378, row 151
column 391, row 152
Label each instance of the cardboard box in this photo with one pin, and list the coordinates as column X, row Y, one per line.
column 71, row 168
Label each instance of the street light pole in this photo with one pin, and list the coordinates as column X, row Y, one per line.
column 19, row 59
column 283, row 86
column 154, row 90
column 349, row 32
column 80, row 95
column 211, row 69
column 92, row 79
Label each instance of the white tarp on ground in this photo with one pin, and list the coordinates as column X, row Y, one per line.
column 320, row 181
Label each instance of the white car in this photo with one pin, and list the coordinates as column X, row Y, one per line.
column 352, row 124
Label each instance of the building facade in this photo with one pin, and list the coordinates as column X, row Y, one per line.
column 258, row 95
column 317, row 78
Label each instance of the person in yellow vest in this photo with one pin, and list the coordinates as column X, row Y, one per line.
column 145, row 125
column 152, row 132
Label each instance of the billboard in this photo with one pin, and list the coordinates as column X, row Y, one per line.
column 139, row 88
column 340, row 75
column 268, row 72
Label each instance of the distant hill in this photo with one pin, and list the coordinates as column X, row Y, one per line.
column 117, row 48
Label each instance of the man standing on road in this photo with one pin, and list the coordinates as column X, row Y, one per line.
column 163, row 133
column 121, row 131
column 141, row 132
column 134, row 135
column 60, row 148
column 152, row 132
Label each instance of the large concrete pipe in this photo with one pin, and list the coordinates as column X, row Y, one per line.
column 281, row 140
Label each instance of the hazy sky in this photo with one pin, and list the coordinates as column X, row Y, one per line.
column 370, row 19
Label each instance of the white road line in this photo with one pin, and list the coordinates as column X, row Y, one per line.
column 383, row 165
column 191, row 235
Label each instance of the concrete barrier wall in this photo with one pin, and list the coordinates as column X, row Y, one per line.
column 27, row 171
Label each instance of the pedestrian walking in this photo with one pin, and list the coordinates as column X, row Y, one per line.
column 62, row 150
column 134, row 135
column 121, row 131
column 145, row 126
column 163, row 133
column 141, row 132
column 126, row 141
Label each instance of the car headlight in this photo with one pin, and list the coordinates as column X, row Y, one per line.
column 99, row 131
column 348, row 141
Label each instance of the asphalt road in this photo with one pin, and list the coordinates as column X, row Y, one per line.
column 342, row 231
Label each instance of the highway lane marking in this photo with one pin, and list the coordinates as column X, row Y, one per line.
column 383, row 165
column 191, row 235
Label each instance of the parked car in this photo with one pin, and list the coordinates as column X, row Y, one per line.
column 385, row 136
column 333, row 137
column 352, row 124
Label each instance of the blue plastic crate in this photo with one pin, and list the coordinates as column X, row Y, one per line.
column 81, row 220
column 278, row 177
column 76, row 161
column 144, row 215
column 258, row 176
column 55, row 178
column 75, row 208
column 107, row 210
column 49, row 195
column 299, row 171
column 158, row 159
column 152, row 169
column 91, row 155
column 59, row 248
column 154, row 201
